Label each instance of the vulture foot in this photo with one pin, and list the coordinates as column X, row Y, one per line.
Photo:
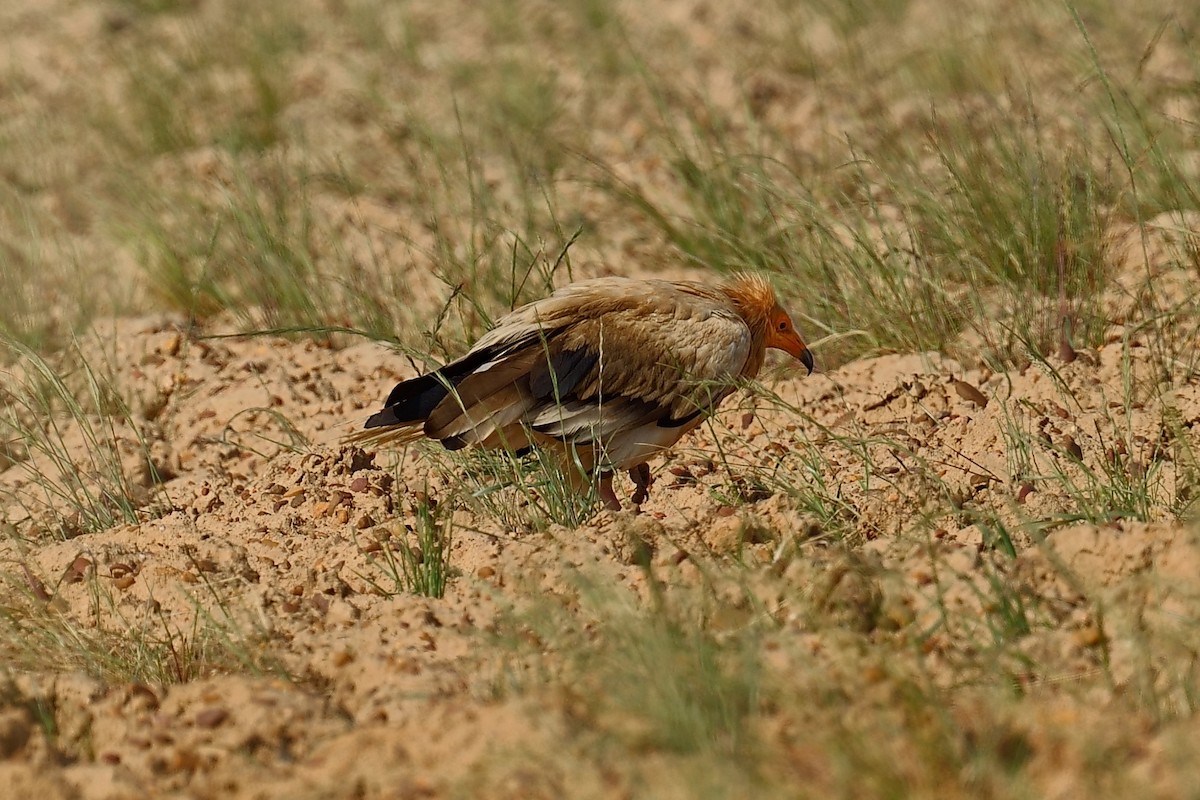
column 641, row 479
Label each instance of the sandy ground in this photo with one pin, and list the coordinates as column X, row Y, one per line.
column 402, row 696
column 314, row 675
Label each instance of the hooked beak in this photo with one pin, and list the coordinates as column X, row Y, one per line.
column 794, row 346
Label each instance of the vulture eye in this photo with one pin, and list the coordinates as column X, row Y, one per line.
column 783, row 325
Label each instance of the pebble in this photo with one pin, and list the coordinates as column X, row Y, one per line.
column 1066, row 352
column 15, row 730
column 184, row 759
column 1089, row 636
column 969, row 393
column 78, row 570
column 170, row 345
column 211, row 717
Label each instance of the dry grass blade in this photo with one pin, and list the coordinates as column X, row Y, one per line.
column 82, row 462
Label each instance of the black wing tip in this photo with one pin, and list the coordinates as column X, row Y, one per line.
column 382, row 419
column 669, row 422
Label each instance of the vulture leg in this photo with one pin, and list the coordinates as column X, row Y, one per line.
column 641, row 479
column 606, row 492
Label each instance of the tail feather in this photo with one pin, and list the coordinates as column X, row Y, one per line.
column 478, row 399
column 390, row 436
column 413, row 400
column 480, row 395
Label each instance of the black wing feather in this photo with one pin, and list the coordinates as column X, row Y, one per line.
column 556, row 376
column 415, row 399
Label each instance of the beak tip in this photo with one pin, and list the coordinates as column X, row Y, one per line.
column 806, row 358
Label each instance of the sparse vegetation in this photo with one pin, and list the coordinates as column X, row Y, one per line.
column 958, row 562
column 82, row 462
column 420, row 562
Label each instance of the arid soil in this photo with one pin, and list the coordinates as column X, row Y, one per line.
column 399, row 695
column 918, row 558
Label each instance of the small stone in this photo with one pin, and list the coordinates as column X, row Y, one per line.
column 485, row 572
column 125, row 581
column 358, row 485
column 16, row 726
column 1065, row 352
column 78, row 570
column 170, row 345
column 1024, row 492
column 205, row 501
column 1089, row 636
column 184, row 760
column 211, row 717
column 363, row 522
column 969, row 393
column 343, row 515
